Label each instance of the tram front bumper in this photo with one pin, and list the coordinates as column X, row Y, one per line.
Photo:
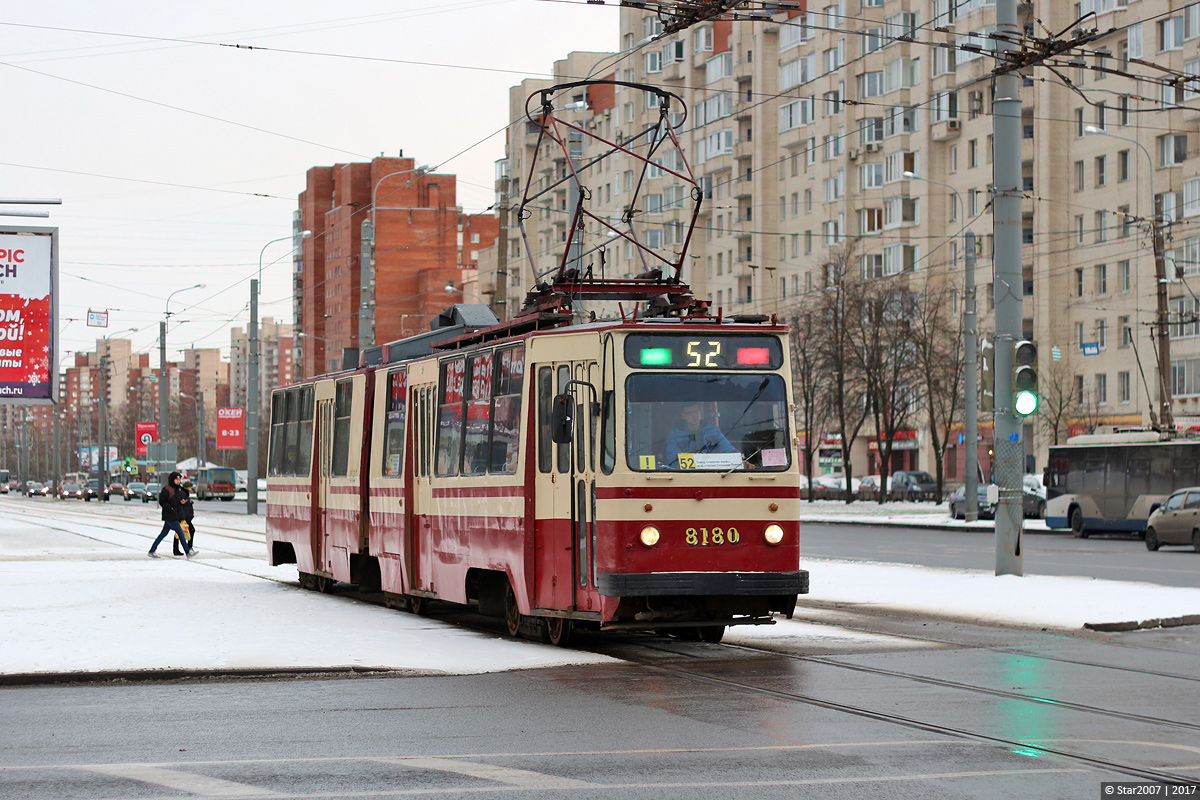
column 660, row 584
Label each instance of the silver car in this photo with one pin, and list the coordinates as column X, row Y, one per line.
column 1177, row 521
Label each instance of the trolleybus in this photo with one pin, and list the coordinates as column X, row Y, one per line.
column 1112, row 481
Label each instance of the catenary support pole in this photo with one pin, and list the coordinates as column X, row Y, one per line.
column 1009, row 446
column 252, row 395
column 970, row 380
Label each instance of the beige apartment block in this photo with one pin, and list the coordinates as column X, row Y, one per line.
column 800, row 130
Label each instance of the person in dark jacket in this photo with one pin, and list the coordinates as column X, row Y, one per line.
column 189, row 511
column 170, row 499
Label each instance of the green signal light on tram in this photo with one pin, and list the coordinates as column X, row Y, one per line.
column 656, row 356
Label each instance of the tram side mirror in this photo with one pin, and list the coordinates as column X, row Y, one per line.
column 562, row 419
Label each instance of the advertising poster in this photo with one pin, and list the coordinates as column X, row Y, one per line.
column 27, row 279
column 231, row 429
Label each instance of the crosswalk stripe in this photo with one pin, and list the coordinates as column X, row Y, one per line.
column 190, row 782
column 526, row 779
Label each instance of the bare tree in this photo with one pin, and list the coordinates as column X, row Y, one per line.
column 808, row 381
column 1058, row 397
column 940, row 361
column 887, row 357
column 837, row 308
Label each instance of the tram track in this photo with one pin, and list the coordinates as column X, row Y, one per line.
column 1016, row 745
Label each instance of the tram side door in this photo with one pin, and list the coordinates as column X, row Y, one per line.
column 566, row 487
column 418, row 555
column 322, row 494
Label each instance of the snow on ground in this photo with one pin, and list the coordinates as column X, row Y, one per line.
column 77, row 593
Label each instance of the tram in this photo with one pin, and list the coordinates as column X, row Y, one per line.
column 555, row 469
column 533, row 476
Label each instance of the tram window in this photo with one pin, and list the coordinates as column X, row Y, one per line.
column 564, row 450
column 291, row 434
column 545, row 400
column 506, row 410
column 393, row 433
column 479, row 405
column 307, row 406
column 278, row 423
column 342, row 399
column 450, row 421
column 608, row 433
column 714, row 422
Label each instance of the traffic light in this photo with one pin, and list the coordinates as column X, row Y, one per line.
column 1025, row 392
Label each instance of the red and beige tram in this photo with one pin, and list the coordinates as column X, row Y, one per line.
column 551, row 477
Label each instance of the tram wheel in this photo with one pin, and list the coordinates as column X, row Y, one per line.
column 712, row 633
column 418, row 605
column 322, row 584
column 559, row 630
column 1077, row 529
column 308, row 581
column 1151, row 539
column 512, row 614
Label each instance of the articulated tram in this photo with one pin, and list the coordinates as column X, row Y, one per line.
column 550, row 476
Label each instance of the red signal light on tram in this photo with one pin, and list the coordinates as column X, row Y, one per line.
column 753, row 356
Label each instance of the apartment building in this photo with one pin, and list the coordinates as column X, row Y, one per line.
column 859, row 136
column 418, row 242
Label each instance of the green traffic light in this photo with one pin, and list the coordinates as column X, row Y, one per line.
column 1025, row 403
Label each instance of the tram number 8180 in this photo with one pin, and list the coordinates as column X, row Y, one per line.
column 703, row 537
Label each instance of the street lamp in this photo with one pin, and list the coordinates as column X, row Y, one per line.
column 366, row 270
column 163, row 379
column 1166, row 417
column 450, row 288
column 970, row 342
column 253, row 392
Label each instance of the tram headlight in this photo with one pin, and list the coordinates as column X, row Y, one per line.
column 649, row 536
column 773, row 534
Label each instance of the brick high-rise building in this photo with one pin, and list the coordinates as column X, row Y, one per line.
column 422, row 242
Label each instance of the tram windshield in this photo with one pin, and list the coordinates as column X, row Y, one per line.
column 707, row 422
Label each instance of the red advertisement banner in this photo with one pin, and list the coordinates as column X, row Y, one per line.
column 231, row 428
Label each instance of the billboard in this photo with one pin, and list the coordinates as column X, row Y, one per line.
column 144, row 433
column 231, row 428
column 28, row 314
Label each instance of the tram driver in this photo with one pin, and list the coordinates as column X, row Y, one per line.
column 692, row 435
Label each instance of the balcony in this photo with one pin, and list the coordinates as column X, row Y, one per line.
column 945, row 129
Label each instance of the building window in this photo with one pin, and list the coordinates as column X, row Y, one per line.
column 1101, row 389
column 1101, row 171
column 1123, row 275
column 1125, row 332
column 1123, row 387
column 1172, row 149
column 1101, row 273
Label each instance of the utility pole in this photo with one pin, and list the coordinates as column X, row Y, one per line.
column 1166, row 418
column 366, row 292
column 104, row 423
column 500, row 293
column 971, row 379
column 201, row 460
column 1009, row 463
column 252, row 395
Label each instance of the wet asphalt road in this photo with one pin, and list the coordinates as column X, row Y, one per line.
column 858, row 706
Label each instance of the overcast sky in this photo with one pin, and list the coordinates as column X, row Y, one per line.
column 160, row 139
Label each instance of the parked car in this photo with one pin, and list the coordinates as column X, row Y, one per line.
column 911, row 485
column 868, row 488
column 958, row 503
column 1031, row 505
column 1176, row 521
column 134, row 491
column 70, row 491
column 35, row 489
column 151, row 493
column 832, row 486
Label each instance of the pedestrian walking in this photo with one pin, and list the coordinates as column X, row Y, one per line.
column 170, row 500
column 189, row 527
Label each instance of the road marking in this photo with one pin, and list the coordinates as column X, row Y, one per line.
column 516, row 777
column 201, row 785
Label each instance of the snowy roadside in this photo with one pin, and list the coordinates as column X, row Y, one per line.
column 922, row 515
